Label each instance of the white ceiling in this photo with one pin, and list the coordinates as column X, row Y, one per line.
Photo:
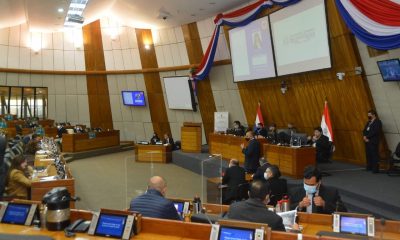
column 42, row 15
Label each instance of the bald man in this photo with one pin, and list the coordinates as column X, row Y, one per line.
column 153, row 203
column 233, row 177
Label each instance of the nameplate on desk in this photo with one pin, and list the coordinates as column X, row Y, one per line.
column 51, row 178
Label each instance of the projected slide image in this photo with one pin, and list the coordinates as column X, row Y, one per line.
column 300, row 38
column 251, row 50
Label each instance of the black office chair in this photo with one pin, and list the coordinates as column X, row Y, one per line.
column 242, row 192
column 394, row 163
column 332, row 150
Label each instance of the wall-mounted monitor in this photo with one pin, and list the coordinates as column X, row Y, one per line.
column 251, row 51
column 390, row 69
column 300, row 38
column 133, row 98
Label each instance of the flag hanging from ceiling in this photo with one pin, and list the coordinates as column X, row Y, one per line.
column 326, row 123
column 374, row 22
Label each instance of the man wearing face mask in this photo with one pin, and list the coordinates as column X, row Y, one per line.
column 254, row 209
column 371, row 135
column 314, row 197
column 233, row 177
column 261, row 131
column 259, row 175
column 251, row 153
column 153, row 203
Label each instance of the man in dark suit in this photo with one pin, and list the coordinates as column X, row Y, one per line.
column 314, row 197
column 322, row 145
column 233, row 177
column 272, row 135
column 261, row 131
column 154, row 139
column 372, row 131
column 254, row 209
column 153, row 203
column 169, row 140
column 251, row 153
column 238, row 129
column 259, row 175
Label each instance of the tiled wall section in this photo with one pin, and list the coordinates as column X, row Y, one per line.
column 386, row 95
column 58, row 51
column 206, row 29
column 67, row 99
column 170, row 47
column 120, row 46
column 226, row 93
column 178, row 117
column 134, row 123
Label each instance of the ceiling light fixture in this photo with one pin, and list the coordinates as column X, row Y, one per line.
column 147, row 46
column 75, row 13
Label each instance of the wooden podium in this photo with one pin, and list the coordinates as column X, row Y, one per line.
column 191, row 137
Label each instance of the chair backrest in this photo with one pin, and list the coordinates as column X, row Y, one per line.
column 242, row 192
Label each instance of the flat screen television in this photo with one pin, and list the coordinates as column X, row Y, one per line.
column 133, row 98
column 390, row 69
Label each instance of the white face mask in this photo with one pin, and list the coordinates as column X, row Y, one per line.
column 266, row 176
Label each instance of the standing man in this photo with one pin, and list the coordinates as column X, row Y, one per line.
column 322, row 145
column 371, row 134
column 251, row 153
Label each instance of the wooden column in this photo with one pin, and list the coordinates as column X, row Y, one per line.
column 97, row 86
column 204, row 91
column 152, row 81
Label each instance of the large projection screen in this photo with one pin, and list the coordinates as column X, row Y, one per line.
column 179, row 95
column 251, row 51
column 300, row 37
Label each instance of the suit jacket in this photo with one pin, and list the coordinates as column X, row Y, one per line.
column 330, row 195
column 254, row 210
column 233, row 177
column 323, row 149
column 278, row 187
column 153, row 204
column 262, row 132
column 252, row 156
column 154, row 139
column 272, row 137
column 18, row 184
column 372, row 131
column 170, row 141
column 259, row 175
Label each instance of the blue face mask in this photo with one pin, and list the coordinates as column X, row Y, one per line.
column 310, row 189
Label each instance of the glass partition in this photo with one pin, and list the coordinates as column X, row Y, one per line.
column 15, row 101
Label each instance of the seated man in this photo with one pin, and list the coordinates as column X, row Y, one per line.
column 322, row 145
column 233, row 177
column 259, row 175
column 272, row 135
column 169, row 140
column 238, row 129
column 153, row 203
column 254, row 209
column 33, row 145
column 315, row 197
column 261, row 131
column 154, row 139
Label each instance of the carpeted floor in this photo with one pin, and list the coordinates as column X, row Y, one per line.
column 111, row 181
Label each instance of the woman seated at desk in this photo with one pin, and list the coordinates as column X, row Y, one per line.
column 18, row 182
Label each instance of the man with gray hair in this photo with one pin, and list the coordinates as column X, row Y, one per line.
column 153, row 202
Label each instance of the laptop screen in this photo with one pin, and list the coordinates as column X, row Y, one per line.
column 233, row 233
column 16, row 213
column 110, row 225
column 353, row 225
column 179, row 207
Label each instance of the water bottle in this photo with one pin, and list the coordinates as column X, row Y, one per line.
column 285, row 204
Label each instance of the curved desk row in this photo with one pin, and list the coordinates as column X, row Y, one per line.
column 81, row 142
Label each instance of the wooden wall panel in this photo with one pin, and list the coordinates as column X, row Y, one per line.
column 349, row 100
column 155, row 96
column 99, row 99
column 204, row 92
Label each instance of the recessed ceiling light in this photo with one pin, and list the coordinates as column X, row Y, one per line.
column 60, row 10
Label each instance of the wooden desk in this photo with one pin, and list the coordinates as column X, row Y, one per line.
column 40, row 188
column 313, row 223
column 291, row 161
column 80, row 142
column 13, row 123
column 153, row 153
column 46, row 122
column 229, row 146
column 50, row 132
column 191, row 137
